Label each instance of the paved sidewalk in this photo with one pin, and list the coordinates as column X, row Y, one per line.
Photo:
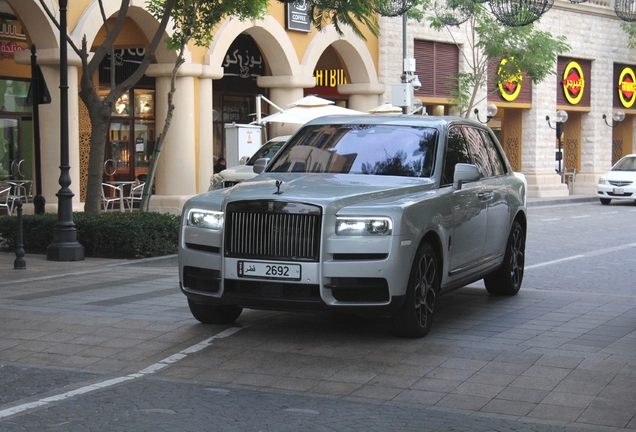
column 543, row 361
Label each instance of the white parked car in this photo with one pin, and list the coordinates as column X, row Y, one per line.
column 233, row 175
column 373, row 215
column 619, row 183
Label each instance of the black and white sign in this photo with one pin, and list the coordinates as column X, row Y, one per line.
column 298, row 16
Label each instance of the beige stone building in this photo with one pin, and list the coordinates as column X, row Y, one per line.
column 283, row 59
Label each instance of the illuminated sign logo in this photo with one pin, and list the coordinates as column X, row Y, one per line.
column 510, row 87
column 573, row 83
column 330, row 77
column 627, row 87
column 11, row 40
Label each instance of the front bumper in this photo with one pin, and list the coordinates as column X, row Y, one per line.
column 616, row 193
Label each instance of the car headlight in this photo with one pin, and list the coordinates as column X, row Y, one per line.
column 602, row 181
column 360, row 226
column 205, row 219
column 216, row 182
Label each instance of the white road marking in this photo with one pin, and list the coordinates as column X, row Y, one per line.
column 114, row 381
column 579, row 217
column 585, row 255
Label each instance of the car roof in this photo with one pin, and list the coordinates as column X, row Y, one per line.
column 403, row 119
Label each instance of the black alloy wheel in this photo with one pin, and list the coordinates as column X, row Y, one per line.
column 506, row 280
column 415, row 317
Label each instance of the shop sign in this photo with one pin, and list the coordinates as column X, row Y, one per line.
column 298, row 16
column 510, row 87
column 627, row 87
column 330, row 77
column 10, row 39
column 243, row 59
column 573, row 82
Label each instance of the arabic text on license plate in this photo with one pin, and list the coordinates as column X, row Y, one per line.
column 268, row 270
column 619, row 191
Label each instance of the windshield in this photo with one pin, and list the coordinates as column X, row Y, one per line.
column 267, row 150
column 625, row 164
column 397, row 150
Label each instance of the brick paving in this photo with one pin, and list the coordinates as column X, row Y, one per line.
column 541, row 361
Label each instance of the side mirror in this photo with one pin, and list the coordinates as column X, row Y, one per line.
column 465, row 173
column 244, row 160
column 260, row 165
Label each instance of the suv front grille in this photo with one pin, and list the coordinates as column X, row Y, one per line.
column 273, row 230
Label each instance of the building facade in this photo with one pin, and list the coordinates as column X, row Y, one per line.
column 284, row 59
column 216, row 85
column 593, row 79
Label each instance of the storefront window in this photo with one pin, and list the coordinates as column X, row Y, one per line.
column 131, row 138
column 16, row 137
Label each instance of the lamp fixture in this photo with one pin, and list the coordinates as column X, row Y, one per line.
column 617, row 117
column 491, row 111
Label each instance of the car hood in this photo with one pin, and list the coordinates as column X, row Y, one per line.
column 240, row 172
column 330, row 191
column 620, row 176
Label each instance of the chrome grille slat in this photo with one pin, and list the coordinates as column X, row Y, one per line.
column 273, row 230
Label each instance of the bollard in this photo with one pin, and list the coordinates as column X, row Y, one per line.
column 19, row 263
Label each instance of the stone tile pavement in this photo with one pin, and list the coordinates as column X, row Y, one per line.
column 543, row 360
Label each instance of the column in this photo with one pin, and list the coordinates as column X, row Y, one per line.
column 283, row 91
column 176, row 176
column 538, row 144
column 363, row 96
column 49, row 61
column 206, row 129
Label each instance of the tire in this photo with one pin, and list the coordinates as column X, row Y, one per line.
column 605, row 201
column 506, row 280
column 415, row 317
column 208, row 314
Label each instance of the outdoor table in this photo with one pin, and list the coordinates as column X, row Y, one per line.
column 121, row 184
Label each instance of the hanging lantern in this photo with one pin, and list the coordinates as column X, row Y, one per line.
column 625, row 10
column 393, row 8
column 519, row 13
column 454, row 12
column 577, row 1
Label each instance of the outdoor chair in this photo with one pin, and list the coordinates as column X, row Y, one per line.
column 7, row 199
column 110, row 196
column 135, row 195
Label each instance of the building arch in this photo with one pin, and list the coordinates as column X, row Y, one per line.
column 41, row 30
column 274, row 44
column 91, row 22
column 352, row 50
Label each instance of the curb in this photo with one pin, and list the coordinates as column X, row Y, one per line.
column 541, row 202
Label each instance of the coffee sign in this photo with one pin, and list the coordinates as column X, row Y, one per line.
column 573, row 82
column 627, row 87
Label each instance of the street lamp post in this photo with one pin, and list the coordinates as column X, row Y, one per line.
column 561, row 118
column 403, row 93
column 65, row 246
column 491, row 111
column 617, row 117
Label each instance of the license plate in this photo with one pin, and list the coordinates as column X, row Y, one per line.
column 619, row 191
column 262, row 270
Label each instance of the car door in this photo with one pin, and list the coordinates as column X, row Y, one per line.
column 495, row 193
column 469, row 213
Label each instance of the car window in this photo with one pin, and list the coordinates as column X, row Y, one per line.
column 360, row 149
column 625, row 164
column 494, row 154
column 479, row 151
column 267, row 150
column 456, row 152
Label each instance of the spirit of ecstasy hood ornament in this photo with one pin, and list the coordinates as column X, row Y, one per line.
column 278, row 185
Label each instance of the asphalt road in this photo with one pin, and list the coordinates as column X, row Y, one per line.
column 106, row 345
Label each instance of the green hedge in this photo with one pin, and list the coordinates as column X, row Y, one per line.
column 109, row 235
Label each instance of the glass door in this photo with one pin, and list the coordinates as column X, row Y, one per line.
column 10, row 160
column 118, row 165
